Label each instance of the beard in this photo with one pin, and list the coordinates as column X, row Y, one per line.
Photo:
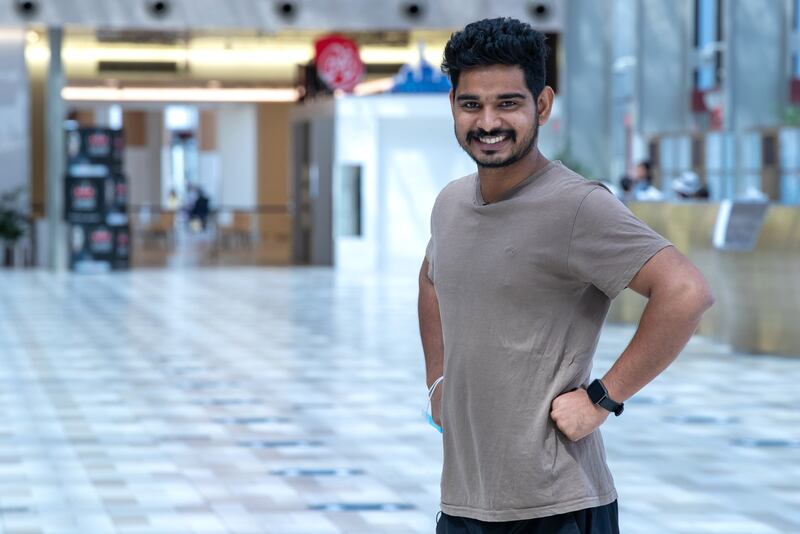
column 518, row 151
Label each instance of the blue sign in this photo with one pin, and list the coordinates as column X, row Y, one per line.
column 422, row 78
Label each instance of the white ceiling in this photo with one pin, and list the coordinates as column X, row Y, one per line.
column 266, row 15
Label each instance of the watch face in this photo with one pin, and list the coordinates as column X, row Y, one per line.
column 596, row 391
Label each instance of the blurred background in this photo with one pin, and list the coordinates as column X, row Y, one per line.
column 212, row 215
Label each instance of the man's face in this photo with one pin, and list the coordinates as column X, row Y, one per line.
column 495, row 115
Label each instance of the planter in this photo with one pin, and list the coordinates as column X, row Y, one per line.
column 8, row 256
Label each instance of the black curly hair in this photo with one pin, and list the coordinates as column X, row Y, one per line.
column 500, row 41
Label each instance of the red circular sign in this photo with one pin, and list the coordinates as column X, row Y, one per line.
column 338, row 62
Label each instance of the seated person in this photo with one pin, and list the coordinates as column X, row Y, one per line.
column 689, row 186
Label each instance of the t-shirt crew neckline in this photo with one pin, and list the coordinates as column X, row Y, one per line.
column 514, row 190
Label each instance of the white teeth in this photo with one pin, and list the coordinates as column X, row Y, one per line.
column 492, row 140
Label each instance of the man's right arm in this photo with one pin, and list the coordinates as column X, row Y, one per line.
column 430, row 329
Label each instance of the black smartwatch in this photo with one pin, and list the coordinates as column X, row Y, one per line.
column 598, row 394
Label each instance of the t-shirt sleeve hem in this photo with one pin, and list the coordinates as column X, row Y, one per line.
column 429, row 257
column 572, row 230
column 634, row 267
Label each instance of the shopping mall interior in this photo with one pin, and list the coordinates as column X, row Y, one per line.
column 211, row 233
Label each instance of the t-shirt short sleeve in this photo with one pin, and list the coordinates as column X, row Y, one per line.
column 429, row 257
column 609, row 244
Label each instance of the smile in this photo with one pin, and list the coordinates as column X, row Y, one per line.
column 492, row 140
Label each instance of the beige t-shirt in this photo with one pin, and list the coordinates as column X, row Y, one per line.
column 524, row 285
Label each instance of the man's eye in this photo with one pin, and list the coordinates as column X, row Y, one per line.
column 470, row 105
column 508, row 104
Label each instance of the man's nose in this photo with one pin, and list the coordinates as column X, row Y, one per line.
column 488, row 120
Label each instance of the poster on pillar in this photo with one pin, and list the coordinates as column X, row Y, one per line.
column 96, row 200
column 89, row 152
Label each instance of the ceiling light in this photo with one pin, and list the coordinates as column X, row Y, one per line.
column 167, row 94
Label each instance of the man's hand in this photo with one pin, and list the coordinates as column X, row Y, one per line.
column 575, row 415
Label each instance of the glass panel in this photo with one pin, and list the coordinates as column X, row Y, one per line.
column 750, row 183
column 729, row 161
column 348, row 202
column 676, row 153
column 706, row 28
column 790, row 188
column 790, row 145
column 789, row 139
column 796, row 27
column 715, row 166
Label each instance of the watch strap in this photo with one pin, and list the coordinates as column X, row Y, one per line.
column 598, row 394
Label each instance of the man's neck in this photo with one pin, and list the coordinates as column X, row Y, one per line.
column 497, row 182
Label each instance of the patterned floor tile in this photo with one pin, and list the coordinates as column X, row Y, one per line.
column 249, row 401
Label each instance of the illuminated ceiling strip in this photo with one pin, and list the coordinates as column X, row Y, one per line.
column 277, row 54
column 193, row 94
column 253, row 55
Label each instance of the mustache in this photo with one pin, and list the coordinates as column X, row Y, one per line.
column 480, row 132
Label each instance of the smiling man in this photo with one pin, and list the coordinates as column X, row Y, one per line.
column 523, row 261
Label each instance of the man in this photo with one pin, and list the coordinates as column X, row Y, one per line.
column 643, row 188
column 523, row 261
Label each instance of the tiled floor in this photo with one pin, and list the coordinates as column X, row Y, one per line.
column 289, row 401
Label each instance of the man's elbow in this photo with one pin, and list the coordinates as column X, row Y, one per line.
column 697, row 294
column 709, row 298
column 689, row 290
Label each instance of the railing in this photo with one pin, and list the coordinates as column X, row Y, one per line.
column 260, row 208
column 227, row 227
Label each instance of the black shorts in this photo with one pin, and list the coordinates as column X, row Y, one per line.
column 600, row 520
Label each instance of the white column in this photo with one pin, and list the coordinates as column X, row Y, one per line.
column 54, row 128
column 587, row 89
column 238, row 153
column 14, row 102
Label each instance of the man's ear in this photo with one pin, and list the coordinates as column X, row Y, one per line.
column 544, row 104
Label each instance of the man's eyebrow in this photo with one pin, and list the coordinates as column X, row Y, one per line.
column 505, row 96
column 511, row 96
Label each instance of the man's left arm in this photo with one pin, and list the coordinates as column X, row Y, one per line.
column 678, row 295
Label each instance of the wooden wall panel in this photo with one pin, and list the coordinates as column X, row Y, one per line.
column 273, row 178
column 37, row 72
column 273, row 162
column 207, row 130
column 134, row 124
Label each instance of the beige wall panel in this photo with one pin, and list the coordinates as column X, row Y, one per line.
column 758, row 298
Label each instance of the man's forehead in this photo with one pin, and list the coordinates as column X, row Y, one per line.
column 492, row 81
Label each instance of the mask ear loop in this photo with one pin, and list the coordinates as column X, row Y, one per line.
column 428, row 412
column 433, row 389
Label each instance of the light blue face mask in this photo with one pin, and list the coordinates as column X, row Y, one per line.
column 433, row 423
column 427, row 412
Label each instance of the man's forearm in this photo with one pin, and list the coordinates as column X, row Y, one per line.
column 668, row 322
column 430, row 327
